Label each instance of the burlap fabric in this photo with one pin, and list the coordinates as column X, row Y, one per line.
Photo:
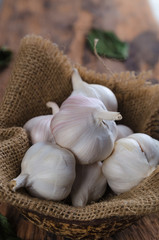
column 41, row 73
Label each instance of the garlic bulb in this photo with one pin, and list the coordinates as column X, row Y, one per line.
column 89, row 185
column 123, row 131
column 126, row 166
column 149, row 146
column 38, row 128
column 47, row 171
column 93, row 90
column 86, row 128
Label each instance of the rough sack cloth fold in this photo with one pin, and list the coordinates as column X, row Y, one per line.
column 41, row 73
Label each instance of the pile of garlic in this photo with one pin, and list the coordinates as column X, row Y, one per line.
column 79, row 149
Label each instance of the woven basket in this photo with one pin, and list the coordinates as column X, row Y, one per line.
column 41, row 73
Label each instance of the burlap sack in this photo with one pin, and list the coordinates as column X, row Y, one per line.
column 42, row 73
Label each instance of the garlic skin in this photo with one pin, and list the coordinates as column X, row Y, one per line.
column 47, row 171
column 89, row 185
column 38, row 128
column 94, row 91
column 86, row 128
column 123, row 131
column 127, row 166
column 149, row 145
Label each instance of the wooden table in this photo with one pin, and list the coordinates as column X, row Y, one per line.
column 66, row 23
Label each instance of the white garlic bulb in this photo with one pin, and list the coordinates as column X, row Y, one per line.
column 47, row 171
column 149, row 146
column 89, row 185
column 86, row 128
column 38, row 128
column 94, row 90
column 123, row 131
column 126, row 166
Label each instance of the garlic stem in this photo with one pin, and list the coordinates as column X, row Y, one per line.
column 76, row 79
column 18, row 182
column 107, row 115
column 100, row 59
column 54, row 106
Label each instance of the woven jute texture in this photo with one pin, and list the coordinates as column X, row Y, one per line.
column 41, row 73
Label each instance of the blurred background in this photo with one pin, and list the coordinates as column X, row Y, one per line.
column 135, row 27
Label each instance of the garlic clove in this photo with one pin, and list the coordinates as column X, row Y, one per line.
column 126, row 166
column 149, row 145
column 47, row 171
column 38, row 129
column 93, row 90
column 123, row 131
column 89, row 185
column 76, row 128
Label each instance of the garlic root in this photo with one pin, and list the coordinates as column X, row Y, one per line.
column 149, row 145
column 18, row 182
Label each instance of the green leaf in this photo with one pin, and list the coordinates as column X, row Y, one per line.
column 6, row 231
column 108, row 45
column 5, row 57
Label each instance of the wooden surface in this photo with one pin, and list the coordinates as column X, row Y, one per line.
column 67, row 23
